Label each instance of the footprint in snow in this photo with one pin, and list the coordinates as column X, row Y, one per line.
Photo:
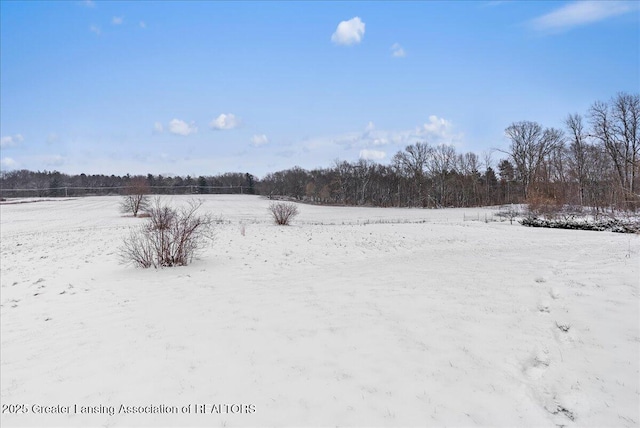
column 556, row 408
column 537, row 363
column 563, row 326
column 544, row 307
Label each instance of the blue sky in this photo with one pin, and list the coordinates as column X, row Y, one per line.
column 202, row 88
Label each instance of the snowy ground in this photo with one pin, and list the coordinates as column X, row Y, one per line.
column 350, row 317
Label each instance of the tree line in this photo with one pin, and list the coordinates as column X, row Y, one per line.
column 24, row 183
column 594, row 161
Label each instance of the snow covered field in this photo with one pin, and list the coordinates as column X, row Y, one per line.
column 350, row 317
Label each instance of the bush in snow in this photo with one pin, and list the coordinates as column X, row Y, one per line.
column 509, row 212
column 611, row 224
column 283, row 212
column 539, row 205
column 171, row 237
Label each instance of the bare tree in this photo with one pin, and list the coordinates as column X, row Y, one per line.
column 412, row 162
column 530, row 145
column 468, row 185
column 136, row 197
column 441, row 162
column 170, row 238
column 578, row 153
column 615, row 126
column 363, row 170
column 599, row 178
column 283, row 212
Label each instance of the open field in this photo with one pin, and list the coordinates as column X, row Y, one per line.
column 349, row 317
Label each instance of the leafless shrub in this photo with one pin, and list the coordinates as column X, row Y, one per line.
column 509, row 212
column 136, row 197
column 171, row 237
column 283, row 212
column 540, row 205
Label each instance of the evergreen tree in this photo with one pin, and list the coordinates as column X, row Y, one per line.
column 202, row 185
column 55, row 185
column 250, row 183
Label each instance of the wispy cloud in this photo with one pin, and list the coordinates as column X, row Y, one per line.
column 349, row 32
column 259, row 140
column 158, row 128
column 95, row 29
column 579, row 13
column 117, row 20
column 11, row 140
column 374, row 144
column 7, row 163
column 180, row 127
column 88, row 3
column 143, row 24
column 372, row 154
column 224, row 122
column 397, row 51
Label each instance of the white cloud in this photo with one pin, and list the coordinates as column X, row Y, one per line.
column 117, row 20
column 435, row 131
column 580, row 13
column 158, row 128
column 8, row 163
column 436, row 126
column 225, row 121
column 438, row 131
column 11, row 140
column 180, row 127
column 142, row 24
column 259, row 140
column 397, row 51
column 372, row 154
column 349, row 32
column 88, row 3
column 95, row 29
